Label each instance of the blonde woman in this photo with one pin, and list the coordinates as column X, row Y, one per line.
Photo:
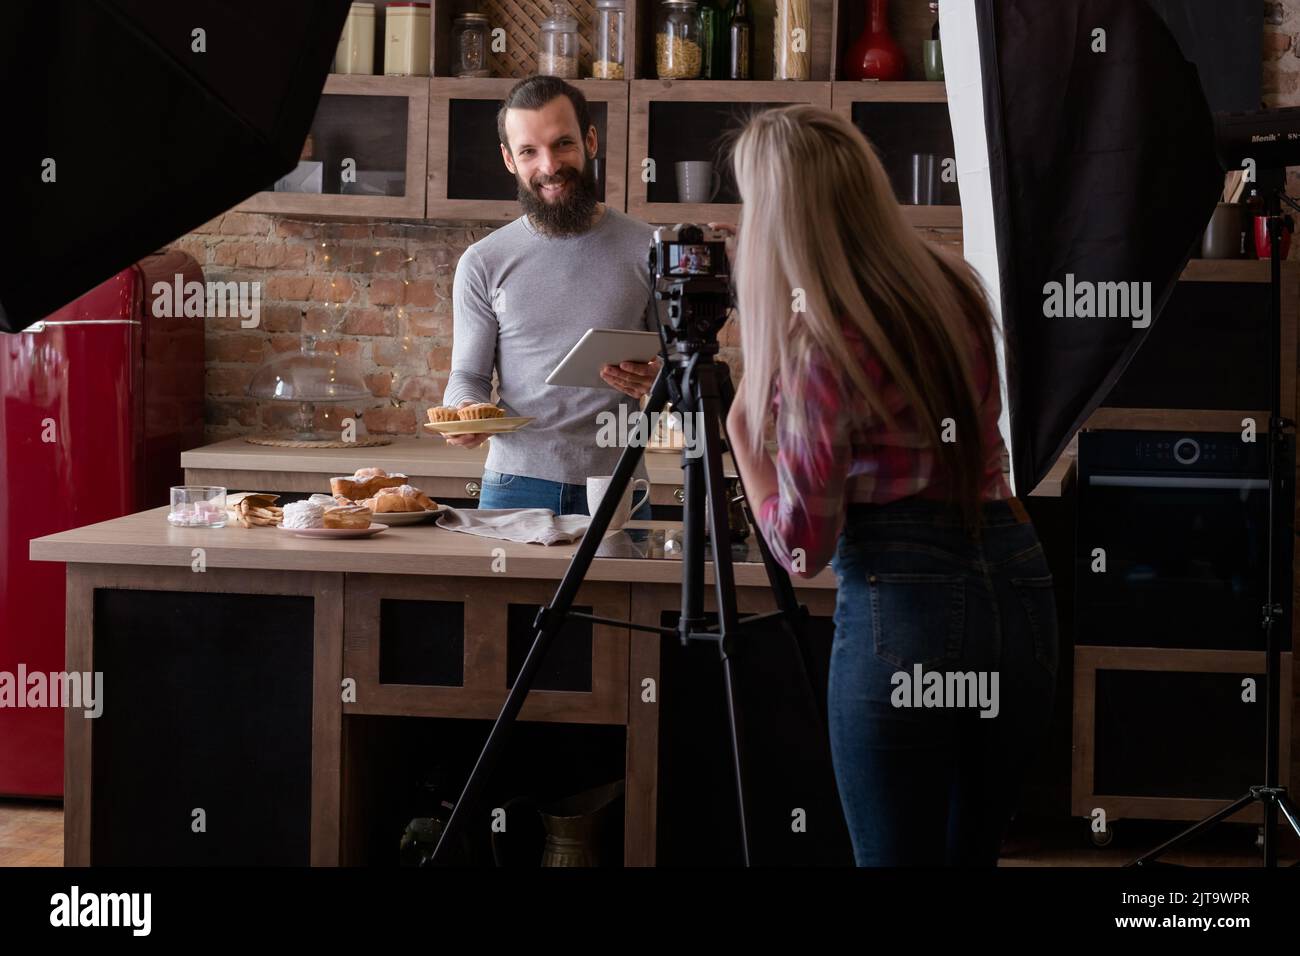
column 874, row 351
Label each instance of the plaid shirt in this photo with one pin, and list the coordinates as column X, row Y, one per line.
column 844, row 441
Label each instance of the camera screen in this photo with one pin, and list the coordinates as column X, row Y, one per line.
column 686, row 259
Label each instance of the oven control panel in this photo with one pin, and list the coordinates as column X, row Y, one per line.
column 1209, row 452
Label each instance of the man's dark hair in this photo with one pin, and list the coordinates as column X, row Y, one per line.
column 534, row 93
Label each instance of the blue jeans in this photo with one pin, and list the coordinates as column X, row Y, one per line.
column 519, row 491
column 924, row 779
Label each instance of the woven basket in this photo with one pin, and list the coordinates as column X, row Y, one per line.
column 327, row 443
column 521, row 20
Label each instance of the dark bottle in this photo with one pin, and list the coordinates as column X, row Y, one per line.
column 741, row 41
column 934, row 8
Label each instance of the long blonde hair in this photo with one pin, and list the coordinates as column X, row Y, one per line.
column 819, row 218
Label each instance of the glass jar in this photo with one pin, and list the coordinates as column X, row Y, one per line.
column 678, row 32
column 793, row 32
column 607, row 62
column 469, row 45
column 557, row 50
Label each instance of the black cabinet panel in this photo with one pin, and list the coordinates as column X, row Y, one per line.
column 422, row 642
column 207, row 705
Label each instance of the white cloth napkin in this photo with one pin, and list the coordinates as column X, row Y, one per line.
column 525, row 525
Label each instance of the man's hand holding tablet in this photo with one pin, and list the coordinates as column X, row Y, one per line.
column 631, row 378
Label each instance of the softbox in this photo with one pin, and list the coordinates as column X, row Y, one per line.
column 130, row 122
column 1086, row 161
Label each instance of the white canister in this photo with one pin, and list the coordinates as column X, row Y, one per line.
column 406, row 39
column 356, row 50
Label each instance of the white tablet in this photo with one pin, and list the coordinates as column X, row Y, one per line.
column 598, row 348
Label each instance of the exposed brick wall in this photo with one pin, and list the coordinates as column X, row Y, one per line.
column 379, row 291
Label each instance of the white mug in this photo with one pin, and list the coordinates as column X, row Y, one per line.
column 596, row 488
column 697, row 181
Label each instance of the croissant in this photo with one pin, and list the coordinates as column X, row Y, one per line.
column 365, row 483
column 400, row 499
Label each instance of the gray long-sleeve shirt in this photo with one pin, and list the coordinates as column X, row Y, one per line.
column 521, row 301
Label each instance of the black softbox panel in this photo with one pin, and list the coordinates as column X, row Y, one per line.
column 1102, row 167
column 125, row 128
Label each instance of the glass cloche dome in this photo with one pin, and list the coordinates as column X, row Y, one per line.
column 309, row 376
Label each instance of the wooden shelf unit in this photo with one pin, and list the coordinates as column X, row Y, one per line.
column 415, row 91
column 441, row 204
column 846, row 94
column 646, row 94
column 835, row 24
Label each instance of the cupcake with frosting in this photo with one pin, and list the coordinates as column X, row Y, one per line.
column 480, row 411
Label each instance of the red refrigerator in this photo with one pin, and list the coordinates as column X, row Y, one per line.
column 97, row 402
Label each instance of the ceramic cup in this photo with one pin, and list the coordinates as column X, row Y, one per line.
column 697, row 181
column 596, row 488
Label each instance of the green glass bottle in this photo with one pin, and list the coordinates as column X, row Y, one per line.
column 712, row 41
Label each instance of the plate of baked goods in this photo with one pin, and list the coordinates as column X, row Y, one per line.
column 399, row 504
column 473, row 419
column 408, row 517
column 317, row 517
column 373, row 529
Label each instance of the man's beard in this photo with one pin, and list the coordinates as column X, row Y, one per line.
column 570, row 216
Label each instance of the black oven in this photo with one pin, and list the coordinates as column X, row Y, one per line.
column 1181, row 523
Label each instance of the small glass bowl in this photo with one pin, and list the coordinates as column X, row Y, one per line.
column 198, row 506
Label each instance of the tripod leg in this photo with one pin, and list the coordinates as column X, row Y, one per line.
column 550, row 619
column 794, row 617
column 1288, row 810
column 705, row 400
column 1195, row 831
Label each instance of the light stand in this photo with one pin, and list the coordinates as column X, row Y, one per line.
column 1281, row 464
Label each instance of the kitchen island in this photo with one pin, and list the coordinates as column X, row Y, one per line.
column 274, row 699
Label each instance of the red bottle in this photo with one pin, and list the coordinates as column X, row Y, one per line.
column 875, row 55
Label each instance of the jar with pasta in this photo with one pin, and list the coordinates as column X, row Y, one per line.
column 557, row 52
column 607, row 52
column 793, row 34
column 678, row 54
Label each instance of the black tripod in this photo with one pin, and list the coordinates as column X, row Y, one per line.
column 1281, row 464
column 696, row 383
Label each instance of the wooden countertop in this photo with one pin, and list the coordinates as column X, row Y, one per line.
column 309, row 469
column 145, row 538
column 411, row 456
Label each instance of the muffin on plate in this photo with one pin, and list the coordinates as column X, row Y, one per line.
column 442, row 413
column 480, row 411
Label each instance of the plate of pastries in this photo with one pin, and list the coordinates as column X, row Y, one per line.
column 360, row 505
column 391, row 498
column 324, row 516
column 473, row 419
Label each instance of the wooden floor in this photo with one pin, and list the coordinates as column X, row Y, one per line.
column 31, row 834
